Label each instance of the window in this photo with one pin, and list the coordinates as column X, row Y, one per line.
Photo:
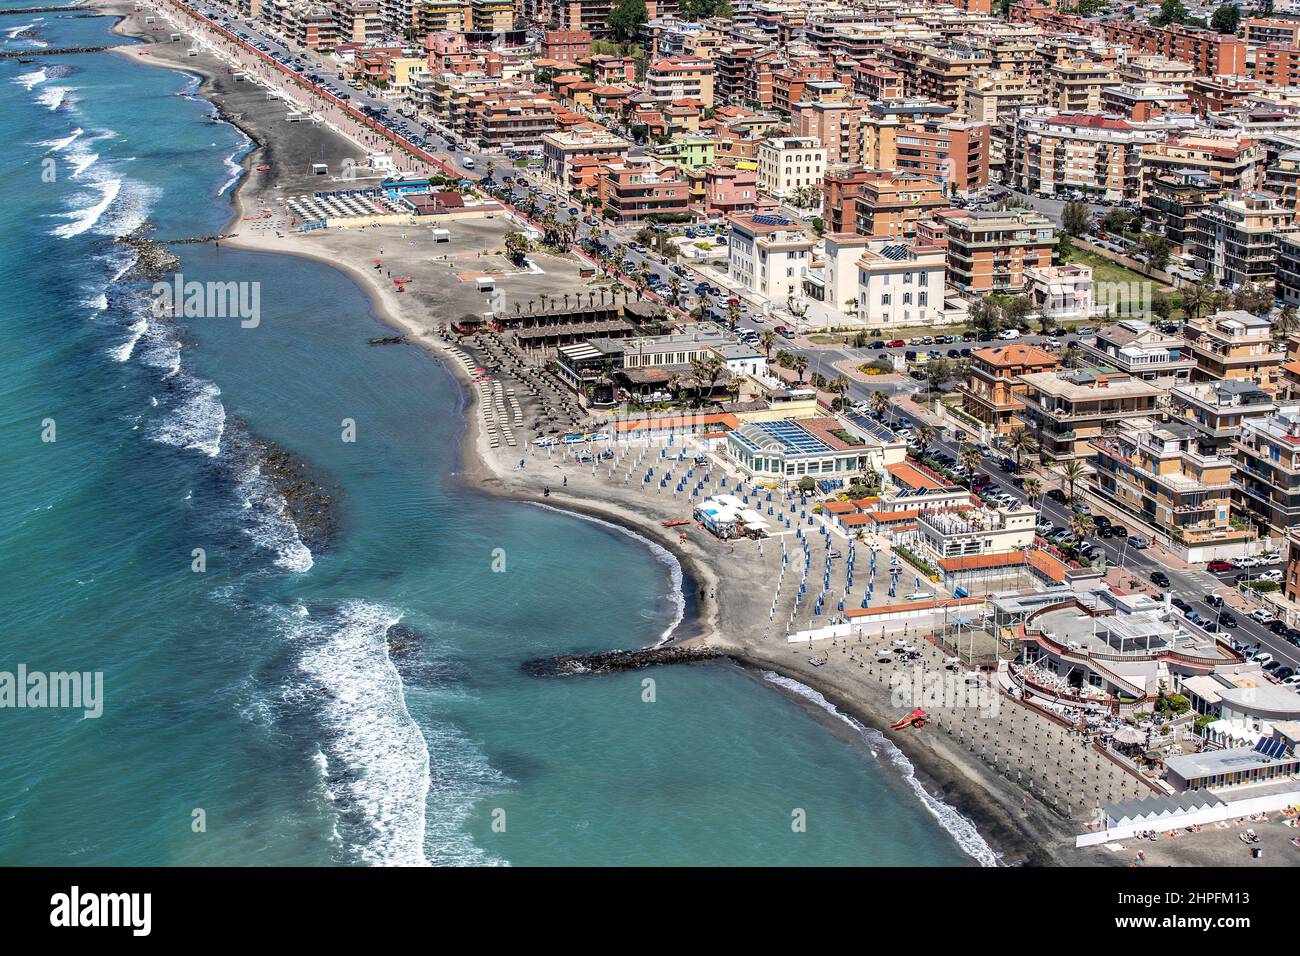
column 884, row 298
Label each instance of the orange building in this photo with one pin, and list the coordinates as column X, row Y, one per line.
column 991, row 392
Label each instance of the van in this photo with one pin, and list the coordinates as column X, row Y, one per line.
column 1009, row 334
column 467, row 162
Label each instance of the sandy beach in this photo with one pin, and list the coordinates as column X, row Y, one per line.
column 963, row 762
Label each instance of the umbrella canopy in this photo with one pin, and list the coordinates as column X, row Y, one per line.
column 1129, row 735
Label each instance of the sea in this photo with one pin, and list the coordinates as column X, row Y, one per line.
column 273, row 699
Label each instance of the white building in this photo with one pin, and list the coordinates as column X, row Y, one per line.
column 786, row 164
column 900, row 284
column 1061, row 292
column 973, row 531
column 769, row 255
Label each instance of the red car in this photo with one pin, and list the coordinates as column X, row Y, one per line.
column 1219, row 566
column 896, row 344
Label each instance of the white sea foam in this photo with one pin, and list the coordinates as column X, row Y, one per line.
column 233, row 168
column 56, row 145
column 52, row 97
column 959, row 827
column 32, row 79
column 81, row 160
column 269, row 523
column 13, row 32
column 85, row 218
column 372, row 736
column 662, row 555
column 120, row 353
column 197, row 421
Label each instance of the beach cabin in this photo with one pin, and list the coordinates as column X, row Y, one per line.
column 175, row 37
column 320, row 169
column 485, row 284
column 441, row 235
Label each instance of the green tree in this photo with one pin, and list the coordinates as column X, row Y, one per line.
column 1033, row 490
column 938, row 373
column 1020, row 443
column 1157, row 249
column 1076, row 218
column 969, row 457
column 1073, row 473
column 626, row 19
column 1171, row 12
column 924, row 435
column 1226, row 19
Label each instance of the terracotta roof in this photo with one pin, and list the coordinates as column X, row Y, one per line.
column 911, row 606
column 1005, row 355
column 975, row 562
column 1091, row 120
column 914, row 478
column 856, row 520
column 839, row 507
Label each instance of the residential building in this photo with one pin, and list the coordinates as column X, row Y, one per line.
column 681, row 77
column 1208, row 52
column 1217, row 410
column 960, row 533
column 1089, row 153
column 1074, row 86
column 1236, row 238
column 1060, row 293
column 989, row 251
column 640, row 187
column 1288, row 269
column 1068, row 409
column 789, row 164
column 992, row 390
column 1162, row 474
column 560, row 150
column 1268, row 469
column 900, row 284
column 1137, row 348
column 1172, row 203
column 1233, row 346
column 769, row 256
column 889, row 204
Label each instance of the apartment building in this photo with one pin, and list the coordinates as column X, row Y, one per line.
column 1208, row 52
column 1172, row 202
column 1099, row 156
column 1288, row 269
column 768, row 255
column 900, row 284
column 989, row 251
column 1233, row 346
column 790, row 163
column 889, row 204
column 1140, row 103
column 1261, row 31
column 568, row 46
column 835, row 123
column 1161, row 473
column 1074, row 86
column 1061, row 293
column 1268, row 469
column 941, row 74
column 1068, row 409
column 1142, row 351
column 992, row 390
column 1276, row 64
column 998, row 96
column 562, row 150
column 636, row 188
column 1160, row 70
column 681, row 77
column 1236, row 238
column 1233, row 160
column 954, row 152
column 840, row 189
column 492, row 16
column 1218, row 410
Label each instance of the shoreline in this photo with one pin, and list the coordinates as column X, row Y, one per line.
column 983, row 798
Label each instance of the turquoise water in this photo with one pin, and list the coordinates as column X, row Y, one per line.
column 262, row 692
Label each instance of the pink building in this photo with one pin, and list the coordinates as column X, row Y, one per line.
column 729, row 190
column 447, row 51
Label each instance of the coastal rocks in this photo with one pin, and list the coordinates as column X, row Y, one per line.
column 153, row 260
column 609, row 662
column 308, row 503
column 388, row 340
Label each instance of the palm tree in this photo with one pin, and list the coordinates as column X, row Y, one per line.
column 1285, row 322
column 1073, row 473
column 1020, row 442
column 800, row 366
column 838, row 388
column 969, row 457
column 879, row 403
column 767, row 340
column 1080, row 525
column 1033, row 491
column 924, row 435
column 1196, row 298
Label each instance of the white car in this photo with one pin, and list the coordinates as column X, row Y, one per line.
column 1274, row 575
column 1262, row 658
column 1261, row 616
column 1246, row 562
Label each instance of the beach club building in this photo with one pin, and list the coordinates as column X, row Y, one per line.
column 830, row 447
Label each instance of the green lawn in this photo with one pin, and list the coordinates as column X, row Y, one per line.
column 1104, row 270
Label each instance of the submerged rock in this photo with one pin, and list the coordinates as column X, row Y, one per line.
column 608, row 662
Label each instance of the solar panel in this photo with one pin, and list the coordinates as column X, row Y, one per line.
column 873, row 428
column 1271, row 748
column 794, row 437
column 766, row 220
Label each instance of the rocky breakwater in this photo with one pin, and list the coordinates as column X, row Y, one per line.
column 609, row 662
column 154, row 260
column 309, row 504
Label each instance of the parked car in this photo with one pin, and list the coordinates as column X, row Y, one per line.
column 1213, row 600
column 1138, row 541
column 1218, row 567
column 1261, row 616
column 1180, row 604
column 1227, row 619
column 1057, row 495
column 1160, row 579
column 1277, row 627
